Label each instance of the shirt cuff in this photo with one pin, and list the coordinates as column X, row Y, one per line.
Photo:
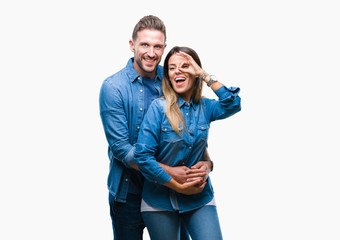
column 162, row 178
column 224, row 92
column 129, row 159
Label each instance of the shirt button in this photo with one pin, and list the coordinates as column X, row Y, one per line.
column 138, row 127
column 126, row 179
column 141, row 109
column 190, row 147
column 141, row 90
column 187, row 114
column 165, row 130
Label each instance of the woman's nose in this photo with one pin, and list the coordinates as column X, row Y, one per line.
column 177, row 71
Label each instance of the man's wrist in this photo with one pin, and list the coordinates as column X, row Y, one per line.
column 211, row 164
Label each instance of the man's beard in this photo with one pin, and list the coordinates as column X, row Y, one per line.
column 139, row 63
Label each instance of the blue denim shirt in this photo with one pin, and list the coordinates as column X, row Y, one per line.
column 121, row 104
column 158, row 142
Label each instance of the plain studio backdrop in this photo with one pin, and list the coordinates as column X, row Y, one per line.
column 276, row 162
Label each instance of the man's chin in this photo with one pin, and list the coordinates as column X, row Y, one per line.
column 149, row 69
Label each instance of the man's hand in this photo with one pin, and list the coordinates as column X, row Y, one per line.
column 179, row 173
column 199, row 170
column 193, row 187
column 182, row 174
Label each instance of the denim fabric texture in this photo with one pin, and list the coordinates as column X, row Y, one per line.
column 202, row 224
column 121, row 104
column 158, row 142
column 127, row 221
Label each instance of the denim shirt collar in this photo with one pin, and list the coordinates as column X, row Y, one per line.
column 181, row 103
column 134, row 75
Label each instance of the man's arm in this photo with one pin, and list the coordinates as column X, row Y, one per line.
column 182, row 174
column 200, row 169
column 179, row 173
column 115, row 124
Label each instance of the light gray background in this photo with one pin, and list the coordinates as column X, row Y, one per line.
column 276, row 162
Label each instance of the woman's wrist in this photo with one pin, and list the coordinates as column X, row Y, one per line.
column 174, row 185
column 203, row 75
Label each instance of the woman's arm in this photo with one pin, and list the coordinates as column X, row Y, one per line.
column 146, row 149
column 187, row 188
column 147, row 145
column 229, row 102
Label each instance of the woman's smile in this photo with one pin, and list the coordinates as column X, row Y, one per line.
column 181, row 81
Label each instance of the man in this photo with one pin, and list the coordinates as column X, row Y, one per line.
column 124, row 99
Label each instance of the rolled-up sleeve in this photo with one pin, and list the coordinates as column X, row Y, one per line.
column 147, row 145
column 115, row 124
column 228, row 103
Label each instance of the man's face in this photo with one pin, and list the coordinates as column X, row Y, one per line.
column 148, row 49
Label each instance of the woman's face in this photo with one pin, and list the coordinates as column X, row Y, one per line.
column 182, row 82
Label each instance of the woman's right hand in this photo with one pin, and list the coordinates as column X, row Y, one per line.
column 190, row 66
column 188, row 188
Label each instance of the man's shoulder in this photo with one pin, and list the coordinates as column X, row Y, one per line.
column 119, row 81
column 119, row 77
column 123, row 76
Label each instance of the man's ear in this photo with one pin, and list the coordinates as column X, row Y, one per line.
column 132, row 46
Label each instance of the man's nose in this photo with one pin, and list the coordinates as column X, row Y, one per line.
column 151, row 52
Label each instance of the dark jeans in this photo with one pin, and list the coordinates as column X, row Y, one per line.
column 127, row 222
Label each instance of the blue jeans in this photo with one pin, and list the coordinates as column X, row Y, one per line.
column 127, row 221
column 202, row 224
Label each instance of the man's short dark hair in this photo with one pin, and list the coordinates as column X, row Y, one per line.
column 149, row 22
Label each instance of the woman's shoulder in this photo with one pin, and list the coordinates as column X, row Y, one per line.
column 158, row 103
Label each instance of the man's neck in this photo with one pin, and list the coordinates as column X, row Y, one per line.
column 144, row 74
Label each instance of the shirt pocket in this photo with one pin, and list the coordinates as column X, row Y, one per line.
column 169, row 135
column 202, row 131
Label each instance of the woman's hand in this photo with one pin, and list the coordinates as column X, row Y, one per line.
column 199, row 170
column 187, row 188
column 190, row 66
column 193, row 187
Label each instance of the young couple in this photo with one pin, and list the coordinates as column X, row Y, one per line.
column 156, row 123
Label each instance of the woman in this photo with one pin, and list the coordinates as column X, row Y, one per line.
column 174, row 132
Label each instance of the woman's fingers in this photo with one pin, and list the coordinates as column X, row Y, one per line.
column 195, row 69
